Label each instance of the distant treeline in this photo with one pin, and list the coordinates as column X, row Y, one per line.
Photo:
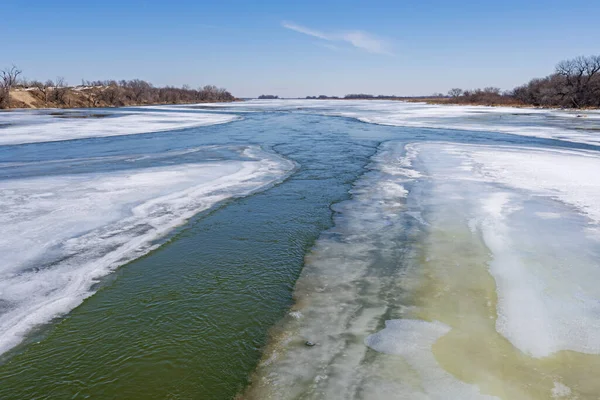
column 574, row 84
column 321, row 97
column 267, row 97
column 18, row 92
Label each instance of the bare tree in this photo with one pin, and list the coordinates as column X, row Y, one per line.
column 9, row 78
column 140, row 90
column 59, row 92
column 455, row 92
column 112, row 95
column 578, row 73
column 492, row 90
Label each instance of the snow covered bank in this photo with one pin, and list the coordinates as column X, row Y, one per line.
column 60, row 234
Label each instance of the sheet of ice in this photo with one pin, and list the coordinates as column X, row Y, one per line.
column 19, row 127
column 543, row 267
column 572, row 126
column 60, row 234
column 482, row 269
column 570, row 176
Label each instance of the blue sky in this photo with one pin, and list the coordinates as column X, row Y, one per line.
column 299, row 48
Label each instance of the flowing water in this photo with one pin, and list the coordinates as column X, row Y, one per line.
column 299, row 252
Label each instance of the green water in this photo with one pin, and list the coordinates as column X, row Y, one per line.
column 188, row 321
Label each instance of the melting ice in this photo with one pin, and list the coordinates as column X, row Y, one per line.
column 60, row 234
column 455, row 271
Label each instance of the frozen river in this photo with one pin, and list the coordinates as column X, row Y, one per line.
column 300, row 249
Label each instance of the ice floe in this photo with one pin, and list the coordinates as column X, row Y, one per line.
column 542, row 266
column 17, row 127
column 60, row 234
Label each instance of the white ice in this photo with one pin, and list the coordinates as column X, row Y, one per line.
column 546, row 269
column 60, row 234
column 571, row 176
column 19, row 127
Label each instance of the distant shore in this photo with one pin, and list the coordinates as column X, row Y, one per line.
column 444, row 101
column 21, row 93
column 92, row 97
column 451, row 102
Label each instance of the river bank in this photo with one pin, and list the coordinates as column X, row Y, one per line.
column 27, row 94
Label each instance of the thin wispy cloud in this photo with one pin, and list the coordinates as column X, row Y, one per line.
column 306, row 31
column 358, row 39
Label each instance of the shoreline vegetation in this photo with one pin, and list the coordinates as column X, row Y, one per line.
column 574, row 84
column 17, row 92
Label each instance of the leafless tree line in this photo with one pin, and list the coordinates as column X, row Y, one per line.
column 107, row 93
column 575, row 83
column 487, row 96
column 137, row 91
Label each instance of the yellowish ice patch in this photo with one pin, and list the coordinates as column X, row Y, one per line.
column 457, row 289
